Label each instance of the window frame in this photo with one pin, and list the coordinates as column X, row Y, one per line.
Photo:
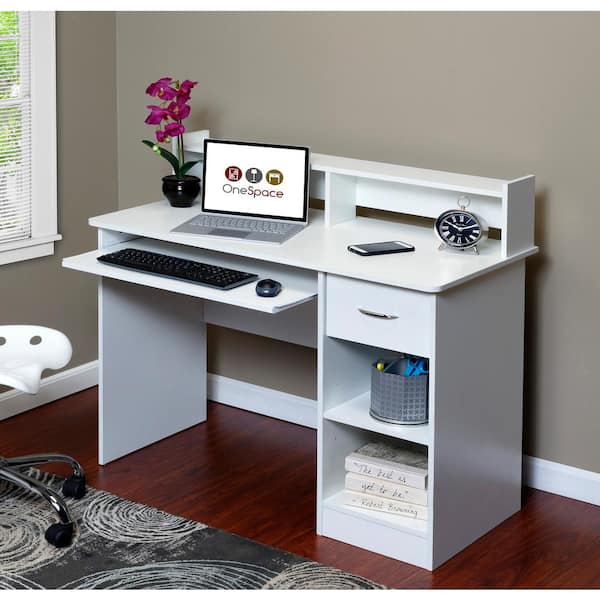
column 44, row 210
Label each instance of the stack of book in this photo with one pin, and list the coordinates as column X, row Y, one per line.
column 386, row 478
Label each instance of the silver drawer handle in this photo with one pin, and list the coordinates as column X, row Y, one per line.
column 372, row 313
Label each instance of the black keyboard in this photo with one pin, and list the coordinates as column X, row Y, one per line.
column 178, row 268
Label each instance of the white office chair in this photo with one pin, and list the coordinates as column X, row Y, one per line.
column 25, row 351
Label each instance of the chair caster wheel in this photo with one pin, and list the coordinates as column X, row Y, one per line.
column 60, row 534
column 74, row 487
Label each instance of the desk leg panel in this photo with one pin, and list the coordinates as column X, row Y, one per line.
column 152, row 366
column 477, row 409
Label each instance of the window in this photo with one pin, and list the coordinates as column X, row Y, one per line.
column 28, row 220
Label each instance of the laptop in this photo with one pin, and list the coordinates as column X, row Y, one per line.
column 251, row 191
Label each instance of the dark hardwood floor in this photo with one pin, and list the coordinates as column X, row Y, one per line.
column 255, row 476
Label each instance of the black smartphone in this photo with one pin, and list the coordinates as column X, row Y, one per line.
column 381, row 248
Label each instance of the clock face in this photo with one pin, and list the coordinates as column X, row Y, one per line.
column 459, row 228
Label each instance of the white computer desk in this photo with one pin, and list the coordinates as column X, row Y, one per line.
column 464, row 312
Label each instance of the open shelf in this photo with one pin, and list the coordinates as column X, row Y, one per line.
column 415, row 527
column 355, row 412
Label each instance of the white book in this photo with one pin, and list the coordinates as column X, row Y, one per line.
column 403, row 509
column 406, row 465
column 385, row 489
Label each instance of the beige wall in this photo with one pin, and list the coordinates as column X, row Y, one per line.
column 501, row 95
column 41, row 291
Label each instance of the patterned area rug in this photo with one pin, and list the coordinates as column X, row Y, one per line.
column 124, row 545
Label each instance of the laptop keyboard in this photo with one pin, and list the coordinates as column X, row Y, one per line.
column 239, row 223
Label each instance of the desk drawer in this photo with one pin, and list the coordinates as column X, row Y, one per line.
column 380, row 315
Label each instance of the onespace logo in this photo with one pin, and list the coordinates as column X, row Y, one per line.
column 253, row 175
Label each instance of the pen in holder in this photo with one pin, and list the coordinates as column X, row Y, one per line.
column 399, row 391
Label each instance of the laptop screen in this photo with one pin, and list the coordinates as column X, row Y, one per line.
column 255, row 180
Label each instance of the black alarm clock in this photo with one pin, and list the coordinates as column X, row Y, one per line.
column 460, row 229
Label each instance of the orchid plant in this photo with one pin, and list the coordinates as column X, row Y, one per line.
column 168, row 118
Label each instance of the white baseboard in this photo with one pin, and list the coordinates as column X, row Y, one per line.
column 537, row 473
column 52, row 388
column 262, row 400
column 561, row 479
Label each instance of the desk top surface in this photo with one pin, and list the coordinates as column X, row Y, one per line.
column 324, row 249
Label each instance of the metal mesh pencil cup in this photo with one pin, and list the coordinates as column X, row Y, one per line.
column 396, row 398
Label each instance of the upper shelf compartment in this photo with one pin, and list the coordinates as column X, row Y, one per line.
column 345, row 183
column 299, row 286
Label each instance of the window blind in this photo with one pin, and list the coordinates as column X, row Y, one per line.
column 15, row 127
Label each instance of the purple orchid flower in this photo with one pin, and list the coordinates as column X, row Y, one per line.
column 153, row 88
column 162, row 89
column 178, row 110
column 185, row 88
column 161, row 136
column 157, row 114
column 174, row 129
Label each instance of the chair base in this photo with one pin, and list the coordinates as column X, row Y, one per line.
column 58, row 534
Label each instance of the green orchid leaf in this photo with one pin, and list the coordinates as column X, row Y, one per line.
column 185, row 167
column 164, row 153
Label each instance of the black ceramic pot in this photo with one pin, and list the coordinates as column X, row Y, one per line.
column 181, row 192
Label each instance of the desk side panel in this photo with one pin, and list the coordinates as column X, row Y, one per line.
column 152, row 366
column 477, row 409
column 519, row 216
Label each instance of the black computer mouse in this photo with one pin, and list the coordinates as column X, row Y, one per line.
column 268, row 287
